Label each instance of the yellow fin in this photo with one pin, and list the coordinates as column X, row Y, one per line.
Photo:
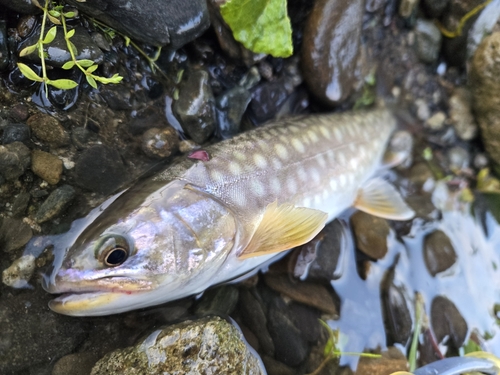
column 283, row 227
column 380, row 198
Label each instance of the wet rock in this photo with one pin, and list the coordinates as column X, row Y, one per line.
column 218, row 301
column 267, row 99
column 56, row 202
column 14, row 159
column 157, row 23
column 274, row 367
column 434, row 8
column 306, row 319
column 427, row 41
column 145, row 120
column 423, row 111
column 46, row 166
column 20, row 271
column 231, row 106
column 160, row 143
column 19, row 112
column 397, row 315
column 20, row 204
column 420, row 175
column 26, row 25
column 331, row 49
column 81, row 136
column 4, row 47
column 436, row 121
column 254, row 317
column 14, row 234
column 484, row 79
column 208, row 345
column 118, row 97
column 439, row 254
column 195, row 106
column 26, row 7
column 446, row 320
column 75, row 364
column 461, row 116
column 48, row 129
column 310, row 294
column 15, row 133
column 458, row 158
column 57, row 54
column 290, row 347
column 391, row 361
column 371, row 234
column 100, row 169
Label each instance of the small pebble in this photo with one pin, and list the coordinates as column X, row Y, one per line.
column 459, row 158
column 20, row 204
column 14, row 159
column 461, row 116
column 19, row 112
column 75, row 364
column 14, row 234
column 55, row 203
column 20, row 271
column 439, row 254
column 15, row 133
column 160, row 143
column 447, row 321
column 48, row 129
column 423, row 111
column 428, row 41
column 436, row 122
column 46, row 166
column 371, row 234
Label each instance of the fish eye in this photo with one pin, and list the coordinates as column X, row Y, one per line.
column 112, row 250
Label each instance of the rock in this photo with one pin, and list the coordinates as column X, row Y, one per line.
column 208, row 345
column 14, row 234
column 461, row 116
column 391, row 361
column 117, row 97
column 434, row 8
column 371, row 234
column 195, row 106
column 20, row 271
column 19, row 112
column 26, row 25
column 46, row 166
column 267, row 99
column 57, row 54
column 439, row 254
column 20, row 204
column 446, row 321
column 48, row 129
column 484, row 79
column 160, row 143
column 219, row 301
column 56, row 202
column 436, row 121
column 308, row 293
column 4, row 46
column 331, row 49
column 81, row 136
column 159, row 23
column 254, row 317
column 75, row 364
column 231, row 105
column 290, row 347
column 423, row 111
column 15, row 133
column 14, row 159
column 274, row 367
column 407, row 8
column 458, row 158
column 100, row 169
column 396, row 312
column 145, row 120
column 21, row 6
column 427, row 41
column 306, row 319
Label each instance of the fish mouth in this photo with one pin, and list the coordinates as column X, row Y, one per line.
column 86, row 304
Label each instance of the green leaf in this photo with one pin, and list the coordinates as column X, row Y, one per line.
column 63, row 84
column 27, row 50
column 70, row 33
column 29, row 73
column 68, row 65
column 69, row 14
column 54, row 13
column 92, row 69
column 85, row 63
column 91, row 81
column 54, row 20
column 73, row 47
column 51, row 34
column 262, row 26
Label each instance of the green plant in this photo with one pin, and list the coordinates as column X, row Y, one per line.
column 55, row 13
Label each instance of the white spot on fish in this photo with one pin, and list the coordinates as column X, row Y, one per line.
column 291, row 186
column 325, row 132
column 240, row 156
column 276, row 163
column 312, row 136
column 294, row 128
column 301, row 172
column 275, row 185
column 351, row 130
column 341, row 157
column 354, row 163
column 274, row 132
column 351, row 178
column 333, row 184
column 317, row 200
column 216, row 175
column 263, row 145
column 342, row 180
column 234, row 168
column 257, row 188
column 326, row 194
column 298, row 145
column 338, row 134
column 352, row 147
column 362, row 151
column 315, row 175
column 260, row 161
column 281, row 151
column 239, row 197
column 321, row 160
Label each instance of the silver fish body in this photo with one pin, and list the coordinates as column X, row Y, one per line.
column 199, row 223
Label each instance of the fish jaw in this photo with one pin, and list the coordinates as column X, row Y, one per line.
column 89, row 304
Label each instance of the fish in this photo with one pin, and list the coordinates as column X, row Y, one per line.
column 225, row 211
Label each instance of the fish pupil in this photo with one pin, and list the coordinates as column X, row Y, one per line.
column 116, row 256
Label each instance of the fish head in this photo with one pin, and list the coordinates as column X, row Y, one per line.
column 143, row 250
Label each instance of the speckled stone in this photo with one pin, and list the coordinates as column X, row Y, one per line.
column 207, row 346
column 14, row 234
column 46, row 166
column 14, row 159
column 48, row 129
column 55, row 203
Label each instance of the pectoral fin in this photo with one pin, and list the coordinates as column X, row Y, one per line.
column 380, row 198
column 283, row 227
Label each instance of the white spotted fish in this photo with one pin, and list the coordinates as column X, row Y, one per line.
column 202, row 222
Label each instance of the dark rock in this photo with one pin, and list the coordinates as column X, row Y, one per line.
column 145, row 120
column 446, row 320
column 48, row 129
column 100, row 169
column 75, row 364
column 306, row 320
column 15, row 133
column 254, row 317
column 439, row 254
column 208, row 345
column 311, row 294
column 25, row 25
column 434, row 8
column 397, row 315
column 231, row 106
column 20, row 204
column 195, row 106
column 19, row 112
column 290, row 347
column 24, row 6
column 374, row 5
column 274, row 367
column 14, row 234
column 484, row 80
column 370, row 234
column 4, row 47
column 56, row 52
column 160, row 143
column 331, row 49
column 14, row 159
column 267, row 99
column 118, row 97
column 427, row 41
column 218, row 301
column 55, row 203
column 81, row 136
column 162, row 22
column 46, row 166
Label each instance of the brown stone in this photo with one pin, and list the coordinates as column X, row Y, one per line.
column 391, row 361
column 48, row 129
column 46, row 166
column 370, row 234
